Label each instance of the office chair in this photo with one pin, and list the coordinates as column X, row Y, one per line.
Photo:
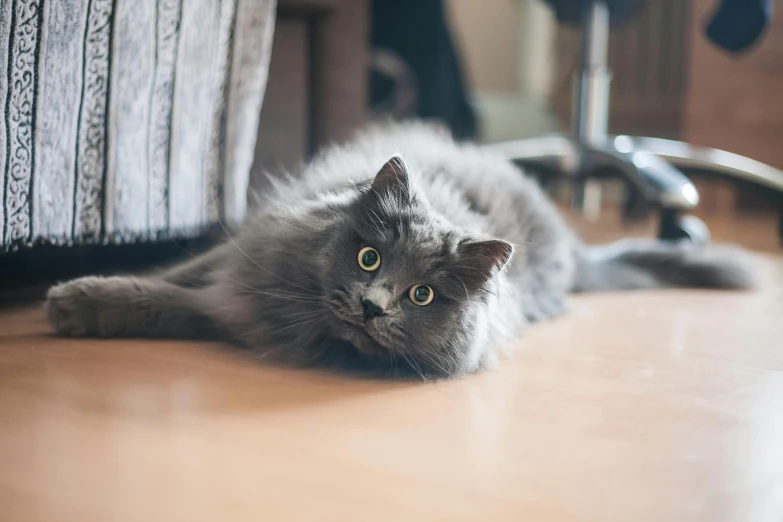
column 654, row 168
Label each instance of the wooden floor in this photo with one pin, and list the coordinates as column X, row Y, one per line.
column 657, row 406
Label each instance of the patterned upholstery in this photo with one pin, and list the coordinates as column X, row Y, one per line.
column 127, row 120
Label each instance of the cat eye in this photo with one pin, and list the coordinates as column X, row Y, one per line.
column 421, row 295
column 369, row 259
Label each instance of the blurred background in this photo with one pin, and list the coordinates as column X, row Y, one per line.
column 502, row 70
column 142, row 162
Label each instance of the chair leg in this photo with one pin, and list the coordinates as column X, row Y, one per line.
column 691, row 157
column 675, row 226
column 658, row 181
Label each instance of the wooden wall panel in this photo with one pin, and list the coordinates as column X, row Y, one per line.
column 317, row 91
column 284, row 127
column 736, row 102
column 646, row 55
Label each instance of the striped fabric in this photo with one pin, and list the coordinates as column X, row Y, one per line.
column 127, row 120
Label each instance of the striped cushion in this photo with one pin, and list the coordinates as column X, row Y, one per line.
column 127, row 120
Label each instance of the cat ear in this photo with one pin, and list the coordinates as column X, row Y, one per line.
column 479, row 260
column 392, row 179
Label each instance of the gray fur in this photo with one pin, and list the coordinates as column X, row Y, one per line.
column 289, row 285
column 642, row 264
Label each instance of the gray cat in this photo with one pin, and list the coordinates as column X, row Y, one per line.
column 366, row 261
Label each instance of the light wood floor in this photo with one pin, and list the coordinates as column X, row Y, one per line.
column 658, row 406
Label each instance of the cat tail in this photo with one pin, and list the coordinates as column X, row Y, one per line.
column 643, row 264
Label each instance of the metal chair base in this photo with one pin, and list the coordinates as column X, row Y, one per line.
column 652, row 166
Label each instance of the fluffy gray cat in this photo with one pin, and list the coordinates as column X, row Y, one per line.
column 429, row 264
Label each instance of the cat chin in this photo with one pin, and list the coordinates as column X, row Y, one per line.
column 358, row 337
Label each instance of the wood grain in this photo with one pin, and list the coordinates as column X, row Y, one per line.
column 645, row 406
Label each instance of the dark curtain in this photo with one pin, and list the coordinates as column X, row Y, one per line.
column 418, row 33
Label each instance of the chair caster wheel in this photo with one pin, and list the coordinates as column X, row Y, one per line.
column 676, row 227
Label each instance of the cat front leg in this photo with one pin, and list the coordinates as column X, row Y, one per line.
column 127, row 307
column 201, row 269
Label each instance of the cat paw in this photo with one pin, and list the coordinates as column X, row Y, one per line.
column 71, row 309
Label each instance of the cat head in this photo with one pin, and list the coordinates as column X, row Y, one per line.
column 404, row 285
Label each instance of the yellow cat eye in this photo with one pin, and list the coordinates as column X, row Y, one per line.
column 421, row 295
column 369, row 259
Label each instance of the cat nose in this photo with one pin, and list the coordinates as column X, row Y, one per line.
column 371, row 309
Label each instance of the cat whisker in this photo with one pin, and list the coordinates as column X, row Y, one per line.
column 377, row 223
column 292, row 296
column 392, row 360
column 467, row 294
column 305, row 298
column 258, row 264
column 300, row 320
column 404, row 353
column 270, row 294
column 253, row 290
column 275, row 328
column 305, row 312
column 191, row 254
column 189, row 282
column 415, row 365
column 310, row 322
column 431, row 359
column 258, row 290
column 302, row 274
